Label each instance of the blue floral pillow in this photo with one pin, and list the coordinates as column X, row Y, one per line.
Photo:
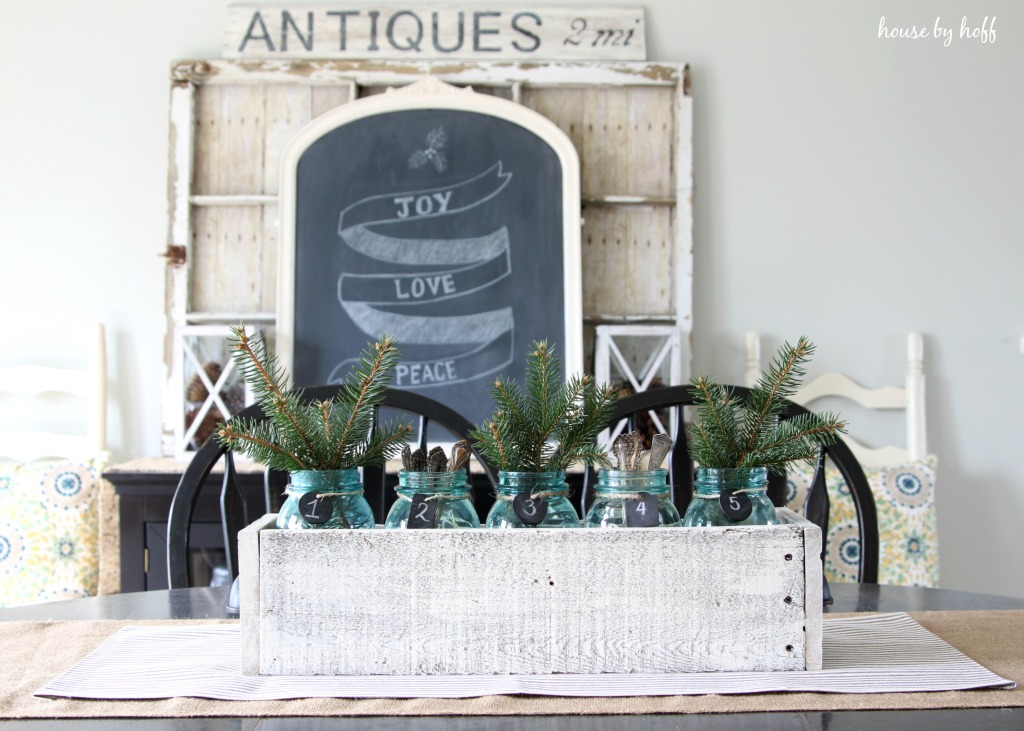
column 905, row 502
column 49, row 530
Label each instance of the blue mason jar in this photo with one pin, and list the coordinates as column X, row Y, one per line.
column 449, row 492
column 618, row 491
column 739, row 486
column 532, row 500
column 325, row 499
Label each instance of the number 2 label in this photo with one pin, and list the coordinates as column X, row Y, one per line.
column 422, row 512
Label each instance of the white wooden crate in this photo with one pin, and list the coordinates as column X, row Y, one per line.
column 479, row 601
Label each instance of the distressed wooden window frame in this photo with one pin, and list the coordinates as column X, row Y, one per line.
column 582, row 84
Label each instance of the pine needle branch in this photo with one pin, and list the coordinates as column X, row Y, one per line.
column 731, row 434
column 321, row 435
column 549, row 426
column 779, row 382
column 259, row 368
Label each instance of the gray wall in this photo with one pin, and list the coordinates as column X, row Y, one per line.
column 848, row 187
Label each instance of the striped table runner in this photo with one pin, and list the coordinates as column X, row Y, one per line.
column 872, row 654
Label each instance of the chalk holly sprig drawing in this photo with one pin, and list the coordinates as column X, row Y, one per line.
column 432, row 153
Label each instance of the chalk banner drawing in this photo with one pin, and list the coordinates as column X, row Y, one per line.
column 446, row 233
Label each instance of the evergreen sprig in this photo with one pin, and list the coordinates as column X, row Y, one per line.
column 549, row 426
column 335, row 434
column 728, row 433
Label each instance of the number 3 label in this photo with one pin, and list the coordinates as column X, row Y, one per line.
column 530, row 510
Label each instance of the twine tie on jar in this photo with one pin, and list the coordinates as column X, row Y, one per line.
column 718, row 495
column 622, row 495
column 437, row 496
column 534, row 495
column 321, row 495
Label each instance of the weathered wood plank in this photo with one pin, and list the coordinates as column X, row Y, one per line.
column 325, row 98
column 227, row 259
column 215, row 72
column 179, row 230
column 286, row 110
column 574, row 601
column 249, row 587
column 652, row 126
column 628, row 263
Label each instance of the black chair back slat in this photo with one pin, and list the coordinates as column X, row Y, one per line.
column 233, row 510
column 274, row 484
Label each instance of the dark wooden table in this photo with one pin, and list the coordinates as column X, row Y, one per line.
column 209, row 603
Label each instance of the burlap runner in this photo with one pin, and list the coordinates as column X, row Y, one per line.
column 36, row 652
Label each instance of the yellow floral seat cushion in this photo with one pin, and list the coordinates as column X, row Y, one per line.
column 49, row 531
column 905, row 502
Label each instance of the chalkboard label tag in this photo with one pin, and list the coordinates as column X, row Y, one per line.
column 642, row 513
column 315, row 510
column 735, row 505
column 422, row 512
column 530, row 510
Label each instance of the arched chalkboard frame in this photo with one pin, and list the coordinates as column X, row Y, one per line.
column 465, row 271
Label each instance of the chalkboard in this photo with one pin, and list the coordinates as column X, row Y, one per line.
column 445, row 227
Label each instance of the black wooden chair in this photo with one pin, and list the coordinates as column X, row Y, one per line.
column 233, row 511
column 663, row 401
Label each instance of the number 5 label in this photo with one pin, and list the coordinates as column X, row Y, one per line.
column 735, row 505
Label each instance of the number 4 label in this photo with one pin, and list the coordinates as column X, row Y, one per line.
column 642, row 513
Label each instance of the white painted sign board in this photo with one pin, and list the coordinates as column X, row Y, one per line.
column 436, row 31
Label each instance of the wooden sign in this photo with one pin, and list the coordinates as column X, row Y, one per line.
column 448, row 31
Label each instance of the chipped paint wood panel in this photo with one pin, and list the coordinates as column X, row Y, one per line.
column 628, row 262
column 387, row 73
column 544, row 601
column 227, row 260
column 286, row 110
column 268, row 256
column 325, row 98
column 229, row 140
column 179, row 235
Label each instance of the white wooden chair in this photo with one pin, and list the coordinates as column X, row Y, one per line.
column 88, row 383
column 52, row 492
column 909, row 399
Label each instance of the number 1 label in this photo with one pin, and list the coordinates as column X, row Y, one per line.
column 315, row 510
